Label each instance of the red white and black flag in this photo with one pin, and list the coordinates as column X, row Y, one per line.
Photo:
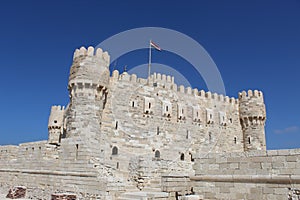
column 152, row 44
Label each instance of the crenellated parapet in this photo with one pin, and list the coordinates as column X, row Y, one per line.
column 90, row 70
column 82, row 53
column 168, row 83
column 252, row 108
column 252, row 112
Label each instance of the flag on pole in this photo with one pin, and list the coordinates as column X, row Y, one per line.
column 152, row 44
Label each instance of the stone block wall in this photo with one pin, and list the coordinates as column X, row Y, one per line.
column 252, row 175
column 45, row 169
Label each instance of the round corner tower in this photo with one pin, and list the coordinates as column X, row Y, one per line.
column 55, row 124
column 88, row 83
column 252, row 113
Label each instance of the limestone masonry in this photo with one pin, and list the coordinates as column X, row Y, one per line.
column 123, row 137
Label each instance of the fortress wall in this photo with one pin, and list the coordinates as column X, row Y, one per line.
column 255, row 175
column 136, row 133
column 127, row 107
column 45, row 169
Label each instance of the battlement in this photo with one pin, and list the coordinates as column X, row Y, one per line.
column 157, row 77
column 89, row 67
column 90, row 51
column 245, row 96
column 163, row 78
column 57, row 108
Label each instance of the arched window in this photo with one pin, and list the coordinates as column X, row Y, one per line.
column 114, row 151
column 157, row 154
column 182, row 156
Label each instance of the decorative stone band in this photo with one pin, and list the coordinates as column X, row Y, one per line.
column 49, row 172
column 273, row 179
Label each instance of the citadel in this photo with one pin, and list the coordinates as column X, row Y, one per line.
column 124, row 137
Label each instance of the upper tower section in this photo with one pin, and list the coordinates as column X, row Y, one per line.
column 88, row 83
column 56, row 124
column 90, row 66
column 252, row 113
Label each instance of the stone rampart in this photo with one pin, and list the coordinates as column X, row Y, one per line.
column 248, row 175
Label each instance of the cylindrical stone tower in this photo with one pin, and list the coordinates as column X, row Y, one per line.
column 55, row 124
column 88, row 83
column 252, row 113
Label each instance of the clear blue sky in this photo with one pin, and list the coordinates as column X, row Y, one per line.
column 255, row 44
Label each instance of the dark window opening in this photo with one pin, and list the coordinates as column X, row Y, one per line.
column 230, row 120
column 149, row 105
column 133, row 104
column 76, row 155
column 182, row 156
column 197, row 114
column 187, row 134
column 249, row 140
column 117, row 165
column 167, row 108
column 210, row 116
column 157, row 154
column 209, row 136
column 116, row 127
column 234, row 140
column 55, row 121
column 182, row 111
column 157, row 130
column 114, row 151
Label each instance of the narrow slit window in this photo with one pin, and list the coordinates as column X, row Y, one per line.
column 234, row 139
column 157, row 130
column 182, row 156
column 249, row 140
column 149, row 105
column 76, row 155
column 116, row 126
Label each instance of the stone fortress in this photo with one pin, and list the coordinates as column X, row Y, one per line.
column 123, row 137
